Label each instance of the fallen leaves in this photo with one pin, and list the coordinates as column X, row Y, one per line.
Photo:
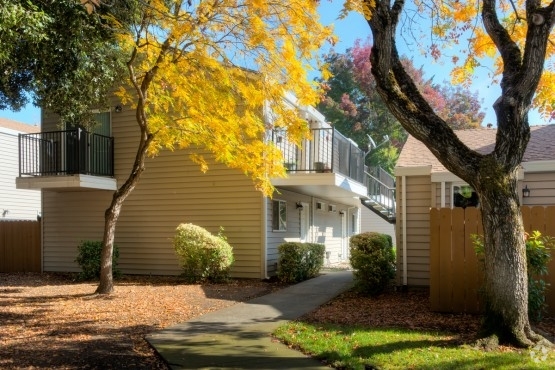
column 50, row 321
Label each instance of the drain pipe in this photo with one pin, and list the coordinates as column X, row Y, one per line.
column 265, row 237
column 404, row 223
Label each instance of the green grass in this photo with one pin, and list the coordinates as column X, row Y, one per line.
column 353, row 348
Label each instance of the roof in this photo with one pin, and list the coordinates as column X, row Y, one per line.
column 17, row 126
column 541, row 147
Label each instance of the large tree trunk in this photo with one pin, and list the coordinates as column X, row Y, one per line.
column 492, row 175
column 106, row 285
column 506, row 284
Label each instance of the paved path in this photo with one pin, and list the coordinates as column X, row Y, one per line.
column 238, row 337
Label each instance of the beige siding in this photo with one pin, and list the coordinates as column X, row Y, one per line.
column 15, row 204
column 372, row 222
column 293, row 232
column 172, row 190
column 418, row 194
column 542, row 188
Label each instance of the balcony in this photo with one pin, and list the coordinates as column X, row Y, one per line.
column 69, row 159
column 329, row 165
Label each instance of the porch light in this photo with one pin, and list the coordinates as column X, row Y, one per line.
column 299, row 205
column 525, row 192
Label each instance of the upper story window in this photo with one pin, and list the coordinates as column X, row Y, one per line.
column 464, row 196
column 279, row 213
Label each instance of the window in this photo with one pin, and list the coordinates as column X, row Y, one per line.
column 279, row 213
column 464, row 196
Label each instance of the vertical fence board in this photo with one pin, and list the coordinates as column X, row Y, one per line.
column 550, row 278
column 20, row 246
column 445, row 271
column 473, row 269
column 455, row 272
column 457, row 253
column 537, row 219
column 434, row 259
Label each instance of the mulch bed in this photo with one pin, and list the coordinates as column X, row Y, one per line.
column 49, row 321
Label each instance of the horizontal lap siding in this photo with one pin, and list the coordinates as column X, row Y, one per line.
column 171, row 191
column 328, row 230
column 542, row 188
column 18, row 204
column 418, row 193
column 293, row 233
column 372, row 222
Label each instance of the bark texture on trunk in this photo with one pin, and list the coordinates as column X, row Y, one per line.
column 106, row 285
column 506, row 283
column 493, row 175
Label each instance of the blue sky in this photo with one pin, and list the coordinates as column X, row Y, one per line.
column 348, row 30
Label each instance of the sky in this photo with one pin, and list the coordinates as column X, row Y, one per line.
column 348, row 31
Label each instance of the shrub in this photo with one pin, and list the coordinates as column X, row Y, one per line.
column 538, row 254
column 373, row 260
column 88, row 258
column 202, row 256
column 299, row 261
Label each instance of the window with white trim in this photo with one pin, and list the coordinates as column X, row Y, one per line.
column 279, row 215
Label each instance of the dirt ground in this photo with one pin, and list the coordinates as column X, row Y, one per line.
column 49, row 321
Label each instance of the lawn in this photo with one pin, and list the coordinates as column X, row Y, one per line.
column 398, row 331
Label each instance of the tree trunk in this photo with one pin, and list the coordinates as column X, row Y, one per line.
column 106, row 285
column 506, row 283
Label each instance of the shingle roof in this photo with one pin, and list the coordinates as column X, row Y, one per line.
column 18, row 126
column 541, row 147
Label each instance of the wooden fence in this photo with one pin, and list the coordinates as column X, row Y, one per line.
column 455, row 273
column 20, row 246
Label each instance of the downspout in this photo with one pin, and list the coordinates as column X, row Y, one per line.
column 265, row 237
column 404, row 223
column 442, row 201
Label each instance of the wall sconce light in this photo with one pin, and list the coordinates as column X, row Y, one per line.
column 118, row 108
column 525, row 192
column 299, row 206
column 341, row 213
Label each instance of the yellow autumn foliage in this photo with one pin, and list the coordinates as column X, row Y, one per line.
column 456, row 26
column 214, row 74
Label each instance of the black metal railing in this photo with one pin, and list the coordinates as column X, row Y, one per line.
column 327, row 151
column 381, row 194
column 65, row 153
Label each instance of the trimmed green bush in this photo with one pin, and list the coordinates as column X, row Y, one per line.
column 202, row 256
column 299, row 261
column 373, row 260
column 88, row 258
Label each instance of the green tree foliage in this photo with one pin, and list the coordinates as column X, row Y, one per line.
column 58, row 55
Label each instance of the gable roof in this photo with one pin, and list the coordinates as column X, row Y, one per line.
column 541, row 147
column 17, row 126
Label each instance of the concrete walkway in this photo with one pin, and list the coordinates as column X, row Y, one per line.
column 238, row 337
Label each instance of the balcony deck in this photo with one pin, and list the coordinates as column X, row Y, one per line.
column 328, row 165
column 66, row 159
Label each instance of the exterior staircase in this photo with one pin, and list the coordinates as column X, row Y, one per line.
column 381, row 194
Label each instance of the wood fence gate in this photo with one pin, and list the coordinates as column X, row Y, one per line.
column 20, row 246
column 455, row 272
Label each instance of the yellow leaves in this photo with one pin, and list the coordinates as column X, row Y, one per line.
column 363, row 7
column 222, row 81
